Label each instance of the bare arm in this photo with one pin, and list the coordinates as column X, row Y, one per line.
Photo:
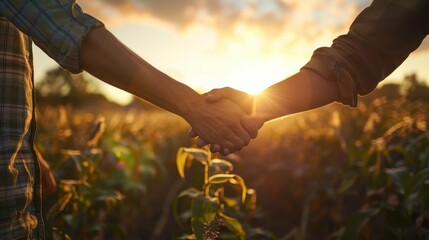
column 301, row 92
column 354, row 64
column 105, row 57
column 78, row 41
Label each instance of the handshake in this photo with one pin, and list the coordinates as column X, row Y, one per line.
column 224, row 118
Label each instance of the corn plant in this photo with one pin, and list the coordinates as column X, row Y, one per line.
column 83, row 203
column 213, row 211
column 396, row 173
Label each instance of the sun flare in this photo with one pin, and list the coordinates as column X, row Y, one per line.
column 255, row 76
column 253, row 88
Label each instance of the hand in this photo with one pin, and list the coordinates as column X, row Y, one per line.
column 218, row 123
column 242, row 99
column 245, row 101
column 248, row 122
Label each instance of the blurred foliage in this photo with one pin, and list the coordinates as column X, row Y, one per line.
column 346, row 174
column 115, row 172
column 329, row 173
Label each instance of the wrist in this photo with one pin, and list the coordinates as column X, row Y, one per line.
column 188, row 106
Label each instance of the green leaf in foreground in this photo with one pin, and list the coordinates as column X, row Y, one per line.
column 183, row 154
column 204, row 211
column 219, row 180
column 234, row 225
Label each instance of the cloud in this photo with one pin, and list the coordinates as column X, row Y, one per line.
column 309, row 19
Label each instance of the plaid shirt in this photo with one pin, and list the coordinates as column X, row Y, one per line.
column 58, row 27
column 379, row 40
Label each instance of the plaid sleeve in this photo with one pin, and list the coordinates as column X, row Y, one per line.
column 57, row 27
column 379, row 40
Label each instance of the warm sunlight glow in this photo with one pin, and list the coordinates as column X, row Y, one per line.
column 255, row 76
column 253, row 88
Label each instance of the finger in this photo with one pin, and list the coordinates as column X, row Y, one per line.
column 192, row 133
column 252, row 125
column 215, row 95
column 225, row 151
column 240, row 138
column 232, row 94
column 242, row 99
column 215, row 148
column 201, row 142
column 226, row 147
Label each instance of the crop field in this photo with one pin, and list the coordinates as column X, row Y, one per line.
column 330, row 173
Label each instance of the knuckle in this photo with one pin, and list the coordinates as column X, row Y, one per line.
column 232, row 125
column 229, row 146
column 255, row 134
column 239, row 145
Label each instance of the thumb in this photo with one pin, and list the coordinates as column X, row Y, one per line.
column 252, row 125
column 216, row 95
column 242, row 99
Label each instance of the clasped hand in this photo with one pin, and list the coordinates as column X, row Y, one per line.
column 224, row 120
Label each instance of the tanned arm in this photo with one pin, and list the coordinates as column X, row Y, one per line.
column 105, row 57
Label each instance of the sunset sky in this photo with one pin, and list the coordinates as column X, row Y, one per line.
column 245, row 44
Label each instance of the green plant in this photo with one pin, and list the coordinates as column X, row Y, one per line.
column 390, row 165
column 212, row 210
column 83, row 202
column 331, row 173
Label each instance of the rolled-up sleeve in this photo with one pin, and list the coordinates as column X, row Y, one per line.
column 58, row 27
column 379, row 40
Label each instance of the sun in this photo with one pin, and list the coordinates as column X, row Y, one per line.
column 251, row 80
column 253, row 87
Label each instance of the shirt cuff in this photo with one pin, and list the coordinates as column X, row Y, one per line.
column 79, row 27
column 59, row 29
column 334, row 70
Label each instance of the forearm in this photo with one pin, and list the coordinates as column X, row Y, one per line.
column 303, row 91
column 105, row 57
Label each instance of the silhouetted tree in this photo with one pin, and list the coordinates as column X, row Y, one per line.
column 415, row 89
column 61, row 87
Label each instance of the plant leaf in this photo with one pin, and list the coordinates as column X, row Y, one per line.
column 234, row 225
column 190, row 192
column 222, row 179
column 347, row 182
column 59, row 205
column 250, row 201
column 220, row 166
column 204, row 210
column 400, row 177
column 199, row 154
column 416, row 181
column 183, row 155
